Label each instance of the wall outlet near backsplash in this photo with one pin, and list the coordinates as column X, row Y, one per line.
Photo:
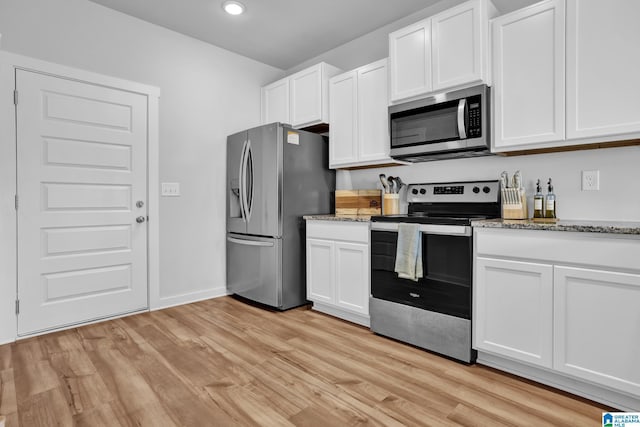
column 591, row 180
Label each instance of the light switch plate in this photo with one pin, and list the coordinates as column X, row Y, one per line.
column 171, row 189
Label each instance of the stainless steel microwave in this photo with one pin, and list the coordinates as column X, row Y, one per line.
column 444, row 126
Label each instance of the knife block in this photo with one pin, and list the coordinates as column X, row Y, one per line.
column 515, row 209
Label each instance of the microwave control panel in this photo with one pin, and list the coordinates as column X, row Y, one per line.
column 474, row 126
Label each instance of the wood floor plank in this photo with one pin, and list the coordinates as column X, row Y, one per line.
column 224, row 362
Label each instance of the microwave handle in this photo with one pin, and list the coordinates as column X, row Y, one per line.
column 462, row 130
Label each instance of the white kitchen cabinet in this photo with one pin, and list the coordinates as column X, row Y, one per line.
column 338, row 272
column 529, row 76
column 560, row 308
column 445, row 51
column 597, row 325
column 410, row 60
column 359, row 131
column 275, row 102
column 460, row 48
column 592, row 46
column 301, row 99
column 603, row 59
column 514, row 309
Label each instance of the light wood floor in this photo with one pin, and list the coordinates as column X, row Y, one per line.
column 223, row 362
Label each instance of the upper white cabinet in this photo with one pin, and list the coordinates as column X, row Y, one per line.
column 528, row 76
column 600, row 44
column 447, row 50
column 460, row 48
column 275, row 102
column 359, row 131
column 603, row 59
column 410, row 60
column 301, row 99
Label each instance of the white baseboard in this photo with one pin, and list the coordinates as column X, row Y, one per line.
column 575, row 386
column 360, row 319
column 175, row 300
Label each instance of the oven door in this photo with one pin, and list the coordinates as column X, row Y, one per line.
column 446, row 257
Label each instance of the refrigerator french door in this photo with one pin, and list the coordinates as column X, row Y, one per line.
column 275, row 175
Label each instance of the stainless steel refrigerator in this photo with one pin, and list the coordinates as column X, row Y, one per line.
column 275, row 175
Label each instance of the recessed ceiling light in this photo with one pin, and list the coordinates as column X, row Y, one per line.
column 233, row 7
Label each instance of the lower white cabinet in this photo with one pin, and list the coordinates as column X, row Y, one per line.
column 597, row 326
column 514, row 314
column 338, row 269
column 566, row 302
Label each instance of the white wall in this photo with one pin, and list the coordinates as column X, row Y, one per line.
column 619, row 171
column 206, row 94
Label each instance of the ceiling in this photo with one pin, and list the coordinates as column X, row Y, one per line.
column 281, row 33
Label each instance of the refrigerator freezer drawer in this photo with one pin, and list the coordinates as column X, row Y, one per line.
column 254, row 268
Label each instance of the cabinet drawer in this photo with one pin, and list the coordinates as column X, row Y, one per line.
column 336, row 230
column 593, row 249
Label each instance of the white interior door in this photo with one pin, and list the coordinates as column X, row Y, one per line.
column 82, row 166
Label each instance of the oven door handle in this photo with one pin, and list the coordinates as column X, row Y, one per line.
column 448, row 230
column 462, row 130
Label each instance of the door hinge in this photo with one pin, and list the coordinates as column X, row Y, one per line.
column 17, row 306
column 16, row 202
column 15, row 97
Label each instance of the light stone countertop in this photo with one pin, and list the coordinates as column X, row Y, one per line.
column 613, row 227
column 334, row 217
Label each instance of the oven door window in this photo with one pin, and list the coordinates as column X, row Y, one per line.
column 435, row 123
column 446, row 287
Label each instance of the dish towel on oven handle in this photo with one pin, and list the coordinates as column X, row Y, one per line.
column 409, row 252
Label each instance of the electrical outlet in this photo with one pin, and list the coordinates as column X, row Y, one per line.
column 590, row 180
column 171, row 189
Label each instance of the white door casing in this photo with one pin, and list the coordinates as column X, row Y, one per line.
column 82, row 166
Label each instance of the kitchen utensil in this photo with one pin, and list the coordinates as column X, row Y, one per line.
column 504, row 179
column 400, row 183
column 392, row 185
column 385, row 184
column 517, row 180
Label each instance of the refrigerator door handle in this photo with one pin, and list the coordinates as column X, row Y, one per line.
column 249, row 187
column 241, row 179
column 249, row 242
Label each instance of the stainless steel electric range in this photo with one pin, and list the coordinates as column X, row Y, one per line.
column 433, row 313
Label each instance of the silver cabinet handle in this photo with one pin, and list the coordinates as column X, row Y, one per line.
column 140, row 219
column 249, row 242
column 461, row 129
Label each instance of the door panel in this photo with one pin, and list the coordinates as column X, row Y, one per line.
column 254, row 268
column 235, row 219
column 266, row 161
column 82, row 165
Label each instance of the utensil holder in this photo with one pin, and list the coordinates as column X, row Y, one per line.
column 391, row 204
column 514, row 204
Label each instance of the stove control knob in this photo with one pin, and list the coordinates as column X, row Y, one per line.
column 486, row 189
column 414, row 191
column 476, row 190
column 423, row 191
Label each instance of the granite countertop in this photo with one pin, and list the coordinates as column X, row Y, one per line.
column 614, row 227
column 334, row 217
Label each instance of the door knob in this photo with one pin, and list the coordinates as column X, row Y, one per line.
column 139, row 203
column 140, row 219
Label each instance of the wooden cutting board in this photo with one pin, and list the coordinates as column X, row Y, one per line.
column 358, row 202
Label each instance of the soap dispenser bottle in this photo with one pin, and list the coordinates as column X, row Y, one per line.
column 538, row 202
column 550, row 202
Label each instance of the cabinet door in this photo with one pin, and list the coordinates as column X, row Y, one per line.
column 373, row 116
column 603, row 59
column 320, row 271
column 410, row 60
column 513, row 310
column 306, row 96
column 459, row 45
column 528, row 76
column 275, row 102
column 352, row 276
column 597, row 325
column 343, row 132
